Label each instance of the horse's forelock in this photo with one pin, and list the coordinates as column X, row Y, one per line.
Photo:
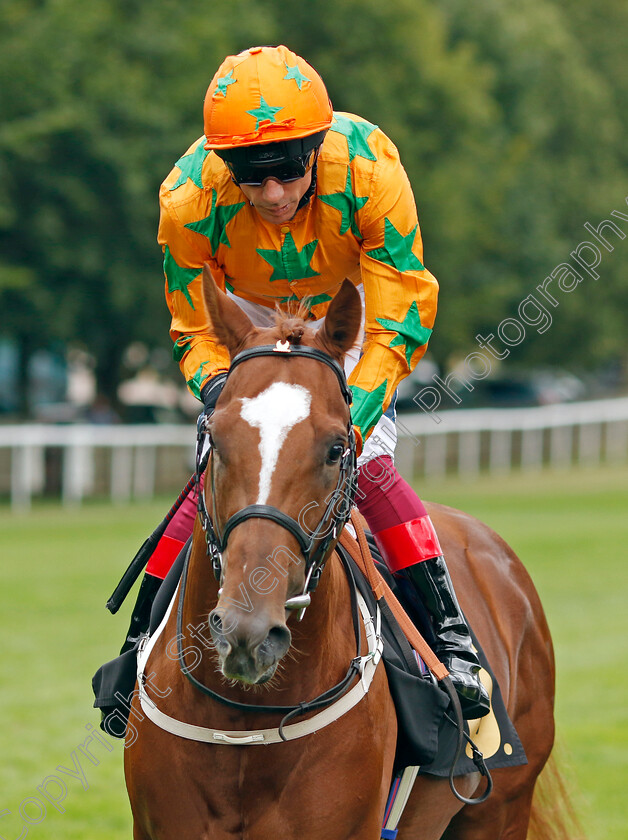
column 291, row 326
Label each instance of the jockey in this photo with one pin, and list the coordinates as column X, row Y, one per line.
column 285, row 199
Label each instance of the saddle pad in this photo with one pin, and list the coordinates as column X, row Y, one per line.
column 494, row 735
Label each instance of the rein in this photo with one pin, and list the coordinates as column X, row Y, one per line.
column 314, row 545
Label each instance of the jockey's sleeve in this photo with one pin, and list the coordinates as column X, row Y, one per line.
column 195, row 348
column 400, row 293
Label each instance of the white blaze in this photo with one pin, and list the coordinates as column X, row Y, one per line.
column 274, row 412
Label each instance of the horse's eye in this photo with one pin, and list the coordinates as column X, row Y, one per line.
column 335, row 453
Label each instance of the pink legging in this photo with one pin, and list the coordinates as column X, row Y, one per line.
column 384, row 498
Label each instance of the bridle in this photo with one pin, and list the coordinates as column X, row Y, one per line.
column 314, row 544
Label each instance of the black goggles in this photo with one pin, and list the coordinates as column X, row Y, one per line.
column 254, row 174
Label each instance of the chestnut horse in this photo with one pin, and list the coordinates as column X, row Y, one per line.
column 279, row 441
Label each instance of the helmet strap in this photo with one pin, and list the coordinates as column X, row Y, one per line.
column 312, row 188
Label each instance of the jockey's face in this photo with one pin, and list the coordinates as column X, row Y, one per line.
column 277, row 201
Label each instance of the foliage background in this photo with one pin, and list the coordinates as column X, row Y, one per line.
column 510, row 118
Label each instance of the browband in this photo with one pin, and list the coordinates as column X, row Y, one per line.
column 296, row 350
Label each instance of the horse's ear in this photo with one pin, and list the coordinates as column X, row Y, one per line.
column 231, row 325
column 341, row 326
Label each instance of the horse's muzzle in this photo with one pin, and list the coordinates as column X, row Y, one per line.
column 248, row 650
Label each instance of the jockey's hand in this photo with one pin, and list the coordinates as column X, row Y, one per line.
column 211, row 392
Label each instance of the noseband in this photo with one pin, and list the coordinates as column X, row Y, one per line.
column 314, row 545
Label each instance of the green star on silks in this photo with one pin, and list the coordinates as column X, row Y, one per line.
column 367, row 407
column 356, row 134
column 191, row 166
column 264, row 112
column 296, row 74
column 289, row 263
column 181, row 346
column 314, row 300
column 397, row 249
column 214, row 226
column 348, row 204
column 178, row 278
column 409, row 331
column 223, row 83
column 194, row 384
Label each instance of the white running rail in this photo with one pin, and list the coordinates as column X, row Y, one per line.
column 138, row 461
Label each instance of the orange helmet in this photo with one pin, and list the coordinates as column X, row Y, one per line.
column 265, row 95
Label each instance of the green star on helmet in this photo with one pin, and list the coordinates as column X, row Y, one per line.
column 264, row 112
column 223, row 83
column 296, row 74
column 357, row 134
column 348, row 204
column 288, row 262
column 367, row 407
column 214, row 226
column 191, row 166
column 178, row 277
column 397, row 249
column 409, row 331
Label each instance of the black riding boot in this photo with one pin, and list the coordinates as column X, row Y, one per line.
column 453, row 644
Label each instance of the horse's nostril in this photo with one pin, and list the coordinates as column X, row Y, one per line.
column 215, row 623
column 278, row 639
column 217, row 630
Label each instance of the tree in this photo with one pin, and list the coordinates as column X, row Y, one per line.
column 557, row 164
column 98, row 101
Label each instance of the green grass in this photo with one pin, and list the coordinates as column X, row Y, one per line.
column 58, row 568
